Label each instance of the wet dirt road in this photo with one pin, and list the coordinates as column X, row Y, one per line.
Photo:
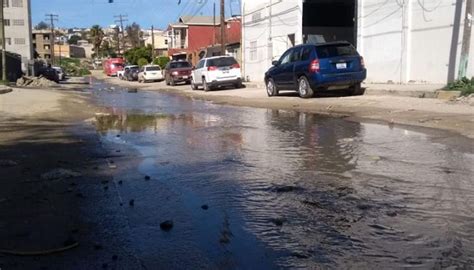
column 266, row 189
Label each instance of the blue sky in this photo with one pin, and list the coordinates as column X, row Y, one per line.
column 84, row 13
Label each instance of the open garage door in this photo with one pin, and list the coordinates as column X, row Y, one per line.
column 329, row 20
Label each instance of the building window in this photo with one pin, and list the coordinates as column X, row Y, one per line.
column 20, row 41
column 5, row 3
column 253, row 50
column 17, row 3
column 8, row 41
column 18, row 22
column 6, row 22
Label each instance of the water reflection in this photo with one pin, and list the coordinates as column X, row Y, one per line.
column 316, row 192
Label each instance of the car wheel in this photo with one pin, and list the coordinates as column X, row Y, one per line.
column 271, row 88
column 205, row 86
column 357, row 90
column 172, row 82
column 193, row 86
column 304, row 89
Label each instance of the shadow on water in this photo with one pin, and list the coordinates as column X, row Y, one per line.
column 290, row 189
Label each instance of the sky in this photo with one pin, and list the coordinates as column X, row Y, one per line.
column 85, row 13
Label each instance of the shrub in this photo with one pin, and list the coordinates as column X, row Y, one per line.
column 161, row 61
column 465, row 85
column 142, row 61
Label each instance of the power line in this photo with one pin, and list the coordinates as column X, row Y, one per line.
column 52, row 18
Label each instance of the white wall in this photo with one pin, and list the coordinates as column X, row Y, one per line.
column 23, row 32
column 409, row 43
column 271, row 42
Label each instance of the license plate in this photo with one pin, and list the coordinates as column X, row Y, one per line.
column 185, row 77
column 153, row 73
column 341, row 65
column 225, row 71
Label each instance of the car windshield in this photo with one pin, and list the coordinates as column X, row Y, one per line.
column 180, row 65
column 134, row 68
column 118, row 64
column 221, row 62
column 335, row 50
column 153, row 68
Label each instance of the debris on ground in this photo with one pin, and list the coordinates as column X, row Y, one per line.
column 7, row 163
column 147, row 177
column 59, row 174
column 468, row 100
column 166, row 225
column 131, row 203
column 205, row 207
column 26, row 81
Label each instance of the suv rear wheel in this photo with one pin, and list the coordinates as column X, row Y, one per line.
column 357, row 90
column 271, row 88
column 205, row 86
column 193, row 85
column 304, row 88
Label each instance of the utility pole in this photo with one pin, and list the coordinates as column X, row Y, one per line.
column 4, row 43
column 466, row 41
column 153, row 41
column 214, row 25
column 222, row 27
column 120, row 19
column 52, row 18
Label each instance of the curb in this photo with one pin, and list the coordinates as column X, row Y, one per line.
column 402, row 93
column 5, row 90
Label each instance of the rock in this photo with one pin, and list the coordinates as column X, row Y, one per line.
column 8, row 163
column 131, row 203
column 204, row 206
column 391, row 213
column 286, row 188
column 59, row 174
column 118, row 136
column 147, row 177
column 40, row 81
column 278, row 221
column 166, row 225
column 363, row 206
column 120, row 182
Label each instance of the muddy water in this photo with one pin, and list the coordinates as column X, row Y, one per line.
column 287, row 189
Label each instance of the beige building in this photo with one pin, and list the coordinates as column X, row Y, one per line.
column 18, row 29
column 161, row 41
column 42, row 42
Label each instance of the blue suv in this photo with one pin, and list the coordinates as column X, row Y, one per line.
column 309, row 68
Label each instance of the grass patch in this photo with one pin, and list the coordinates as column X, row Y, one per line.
column 465, row 85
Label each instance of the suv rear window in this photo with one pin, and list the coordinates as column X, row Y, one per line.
column 221, row 62
column 180, row 65
column 335, row 50
column 153, row 68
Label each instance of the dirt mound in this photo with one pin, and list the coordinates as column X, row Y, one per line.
column 40, row 81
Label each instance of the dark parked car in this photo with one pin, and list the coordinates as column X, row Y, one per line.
column 177, row 71
column 49, row 73
column 131, row 73
column 311, row 68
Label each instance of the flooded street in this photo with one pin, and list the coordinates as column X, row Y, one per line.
column 254, row 188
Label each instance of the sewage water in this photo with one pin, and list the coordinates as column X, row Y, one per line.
column 254, row 188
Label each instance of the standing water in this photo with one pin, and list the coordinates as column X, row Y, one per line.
column 260, row 188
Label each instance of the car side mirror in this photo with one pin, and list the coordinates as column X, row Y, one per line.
column 275, row 63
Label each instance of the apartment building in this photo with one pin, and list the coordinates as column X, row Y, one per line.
column 42, row 43
column 18, row 29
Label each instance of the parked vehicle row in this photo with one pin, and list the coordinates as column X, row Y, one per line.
column 307, row 69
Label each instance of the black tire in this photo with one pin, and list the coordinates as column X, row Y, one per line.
column 271, row 88
column 172, row 82
column 238, row 85
column 304, row 88
column 357, row 90
column 193, row 86
column 205, row 86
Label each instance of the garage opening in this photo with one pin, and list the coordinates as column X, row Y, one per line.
column 329, row 20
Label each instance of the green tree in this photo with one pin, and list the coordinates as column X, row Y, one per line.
column 161, row 61
column 133, row 55
column 142, row 61
column 134, row 34
column 74, row 39
column 42, row 26
column 97, row 36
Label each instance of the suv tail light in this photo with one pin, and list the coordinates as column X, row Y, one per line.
column 362, row 62
column 211, row 68
column 314, row 66
column 235, row 66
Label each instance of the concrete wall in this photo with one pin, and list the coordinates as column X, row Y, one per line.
column 262, row 43
column 411, row 42
column 16, row 33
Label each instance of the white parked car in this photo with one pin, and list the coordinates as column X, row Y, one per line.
column 217, row 71
column 150, row 73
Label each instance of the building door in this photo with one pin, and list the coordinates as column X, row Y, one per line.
column 329, row 20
